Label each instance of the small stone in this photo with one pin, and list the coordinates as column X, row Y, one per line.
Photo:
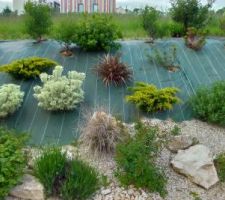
column 106, row 192
column 181, row 143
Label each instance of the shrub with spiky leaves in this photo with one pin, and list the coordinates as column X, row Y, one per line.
column 113, row 71
column 28, row 68
column 101, row 133
column 150, row 99
column 11, row 98
column 60, row 92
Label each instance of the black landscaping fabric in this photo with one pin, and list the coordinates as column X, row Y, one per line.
column 197, row 69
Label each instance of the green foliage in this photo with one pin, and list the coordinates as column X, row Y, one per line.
column 38, row 19
column 150, row 16
column 97, row 32
column 208, row 104
column 195, row 39
column 28, row 68
column 176, row 29
column 220, row 166
column 176, row 130
column 12, row 160
column 195, row 196
column 222, row 23
column 50, row 169
column 166, row 58
column 190, row 13
column 60, row 92
column 11, row 99
column 135, row 161
column 151, row 99
column 65, row 32
column 6, row 11
column 81, row 181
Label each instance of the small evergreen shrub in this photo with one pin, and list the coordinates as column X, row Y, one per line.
column 220, row 166
column 11, row 98
column 97, row 32
column 60, row 92
column 176, row 130
column 194, row 39
column 176, row 29
column 112, row 70
column 28, row 68
column 208, row 104
column 151, row 99
column 50, row 169
column 166, row 58
column 12, row 160
column 101, row 133
column 81, row 181
column 135, row 161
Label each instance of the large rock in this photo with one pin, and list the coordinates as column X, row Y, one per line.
column 181, row 143
column 197, row 164
column 29, row 189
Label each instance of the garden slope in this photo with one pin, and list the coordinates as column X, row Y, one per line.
column 198, row 68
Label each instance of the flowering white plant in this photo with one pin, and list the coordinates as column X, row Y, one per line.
column 11, row 98
column 60, row 92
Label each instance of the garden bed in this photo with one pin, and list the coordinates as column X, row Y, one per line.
column 197, row 69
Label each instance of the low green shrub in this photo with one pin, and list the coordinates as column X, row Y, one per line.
column 194, row 39
column 150, row 99
column 81, row 181
column 166, row 58
column 12, row 160
column 28, row 68
column 97, row 32
column 220, row 166
column 176, row 130
column 60, row 92
column 11, row 98
column 208, row 104
column 176, row 29
column 135, row 161
column 50, row 168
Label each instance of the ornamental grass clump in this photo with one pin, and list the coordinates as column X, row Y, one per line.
column 101, row 133
column 149, row 98
column 208, row 104
column 60, row 92
column 28, row 68
column 11, row 98
column 113, row 71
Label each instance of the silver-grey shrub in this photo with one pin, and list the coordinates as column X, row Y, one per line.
column 11, row 98
column 60, row 92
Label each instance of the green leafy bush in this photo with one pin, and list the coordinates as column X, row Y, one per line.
column 12, row 160
column 176, row 29
column 220, row 166
column 81, row 181
column 194, row 39
column 135, row 161
column 101, row 133
column 11, row 99
column 60, row 92
column 166, row 58
column 151, row 99
column 50, row 169
column 37, row 19
column 208, row 104
column 28, row 68
column 97, row 32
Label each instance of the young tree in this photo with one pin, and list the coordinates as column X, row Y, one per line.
column 150, row 16
column 38, row 19
column 6, row 11
column 191, row 13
